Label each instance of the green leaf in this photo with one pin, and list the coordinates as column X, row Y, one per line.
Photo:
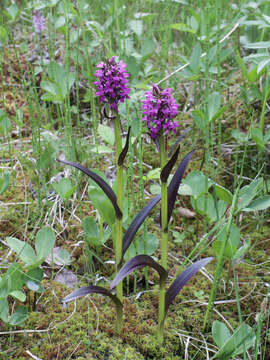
column 223, row 194
column 4, row 182
column 232, row 242
column 220, row 333
column 45, row 240
column 148, row 47
column 156, row 189
column 153, row 174
column 19, row 316
column 5, row 123
column 133, row 67
column 4, row 310
column 181, row 27
column 63, row 257
column 33, row 276
column 102, row 204
column 24, row 251
column 196, row 180
column 106, row 133
column 261, row 203
column 199, row 119
column 258, row 45
column 258, row 138
column 12, row 280
column 19, row 295
column 147, row 246
column 214, row 103
column 12, row 12
column 195, row 58
column 240, row 341
column 267, row 136
column 184, row 189
column 64, row 188
column 262, row 65
column 242, row 250
column 91, row 231
column 205, row 205
column 248, row 192
column 3, row 35
column 49, row 87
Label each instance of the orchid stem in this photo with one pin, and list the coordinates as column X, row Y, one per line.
column 164, row 239
column 118, row 224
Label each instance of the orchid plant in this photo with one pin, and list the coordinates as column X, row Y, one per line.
column 159, row 110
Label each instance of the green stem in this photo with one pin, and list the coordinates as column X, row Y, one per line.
column 164, row 239
column 118, row 224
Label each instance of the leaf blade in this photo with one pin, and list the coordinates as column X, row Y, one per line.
column 136, row 223
column 176, row 181
column 182, row 279
column 165, row 172
column 104, row 186
column 123, row 153
column 138, row 262
column 94, row 289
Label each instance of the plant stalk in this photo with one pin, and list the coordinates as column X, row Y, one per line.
column 164, row 239
column 118, row 224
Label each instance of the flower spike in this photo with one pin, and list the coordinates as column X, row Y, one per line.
column 112, row 83
column 159, row 110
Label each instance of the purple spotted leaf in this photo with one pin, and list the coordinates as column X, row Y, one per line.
column 165, row 172
column 123, row 154
column 136, row 223
column 182, row 279
column 138, row 262
column 104, row 186
column 175, row 183
column 93, row 289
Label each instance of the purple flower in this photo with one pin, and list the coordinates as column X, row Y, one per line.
column 111, row 84
column 38, row 21
column 160, row 109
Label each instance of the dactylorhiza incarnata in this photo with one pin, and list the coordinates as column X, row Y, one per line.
column 159, row 110
column 112, row 83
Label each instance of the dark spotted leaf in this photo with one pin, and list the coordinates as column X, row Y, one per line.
column 125, row 150
column 138, row 262
column 92, row 289
column 104, row 186
column 136, row 223
column 182, row 279
column 165, row 172
column 175, row 183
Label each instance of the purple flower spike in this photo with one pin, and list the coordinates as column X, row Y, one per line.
column 111, row 83
column 160, row 109
column 38, row 21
